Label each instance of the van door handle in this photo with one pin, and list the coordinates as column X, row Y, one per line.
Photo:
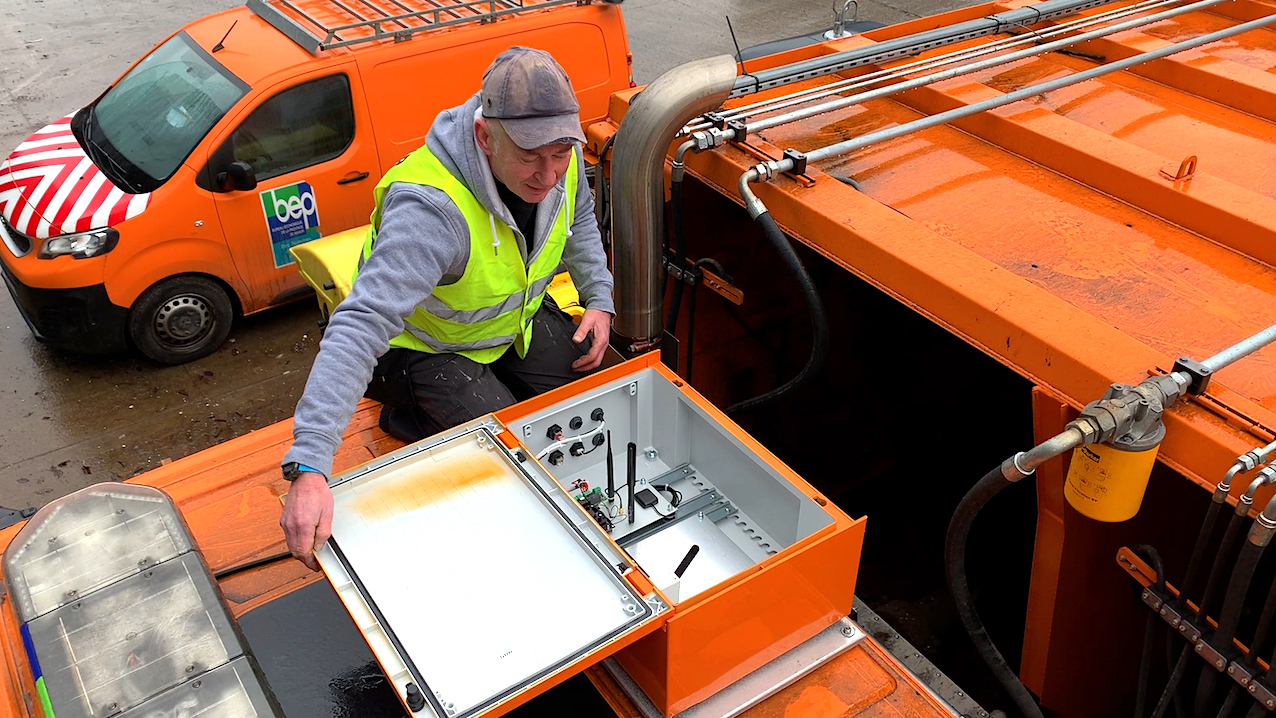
column 353, row 177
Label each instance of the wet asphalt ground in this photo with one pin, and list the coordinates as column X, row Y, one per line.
column 68, row 420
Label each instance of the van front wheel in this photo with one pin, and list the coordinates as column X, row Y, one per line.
column 180, row 319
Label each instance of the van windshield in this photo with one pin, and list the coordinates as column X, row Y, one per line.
column 144, row 127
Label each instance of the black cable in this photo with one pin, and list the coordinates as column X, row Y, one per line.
column 603, row 207
column 1231, row 539
column 691, row 329
column 955, row 567
column 819, row 324
column 1171, row 686
column 679, row 251
column 1150, row 555
column 240, row 568
column 676, row 496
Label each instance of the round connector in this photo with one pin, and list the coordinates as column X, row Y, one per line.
column 575, row 423
column 599, row 440
column 596, row 414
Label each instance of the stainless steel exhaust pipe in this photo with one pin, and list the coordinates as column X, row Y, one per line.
column 638, row 159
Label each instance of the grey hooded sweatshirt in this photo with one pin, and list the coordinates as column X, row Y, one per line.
column 424, row 242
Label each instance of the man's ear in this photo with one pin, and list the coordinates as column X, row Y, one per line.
column 484, row 136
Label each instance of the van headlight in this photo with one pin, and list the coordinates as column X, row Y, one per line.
column 81, row 245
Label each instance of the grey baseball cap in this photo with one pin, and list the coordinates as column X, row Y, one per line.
column 528, row 91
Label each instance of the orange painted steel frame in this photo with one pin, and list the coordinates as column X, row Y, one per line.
column 1045, row 235
column 717, row 637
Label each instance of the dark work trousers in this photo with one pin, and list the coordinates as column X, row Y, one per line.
column 426, row 393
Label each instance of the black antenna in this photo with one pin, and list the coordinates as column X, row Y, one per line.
column 220, row 46
column 632, row 469
column 611, row 469
column 739, row 56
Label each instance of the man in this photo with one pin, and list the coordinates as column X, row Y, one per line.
column 466, row 234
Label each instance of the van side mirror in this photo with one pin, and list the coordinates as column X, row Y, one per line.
column 239, row 175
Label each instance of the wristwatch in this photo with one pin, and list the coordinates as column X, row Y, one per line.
column 293, row 469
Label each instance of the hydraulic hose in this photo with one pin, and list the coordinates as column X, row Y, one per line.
column 815, row 307
column 1229, row 619
column 1150, row 555
column 1171, row 686
column 955, row 567
column 1195, row 564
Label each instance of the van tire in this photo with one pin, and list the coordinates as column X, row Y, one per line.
column 180, row 319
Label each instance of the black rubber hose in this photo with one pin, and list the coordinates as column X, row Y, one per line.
column 1264, row 628
column 1229, row 619
column 1229, row 705
column 1256, row 712
column 679, row 251
column 1196, row 564
column 1231, row 538
column 1171, row 686
column 1192, row 580
column 1150, row 555
column 815, row 307
column 955, row 567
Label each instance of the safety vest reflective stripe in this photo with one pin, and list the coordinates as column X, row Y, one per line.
column 440, row 309
column 442, row 347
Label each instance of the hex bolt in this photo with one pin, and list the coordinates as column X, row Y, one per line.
column 651, row 454
column 1232, row 669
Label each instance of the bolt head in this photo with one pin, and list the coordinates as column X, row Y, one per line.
column 1232, row 669
column 848, row 631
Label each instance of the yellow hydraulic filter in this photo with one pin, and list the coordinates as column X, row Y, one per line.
column 1107, row 483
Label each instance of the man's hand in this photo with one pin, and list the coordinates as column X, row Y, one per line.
column 307, row 519
column 597, row 323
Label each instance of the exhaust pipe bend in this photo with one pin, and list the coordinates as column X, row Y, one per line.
column 638, row 156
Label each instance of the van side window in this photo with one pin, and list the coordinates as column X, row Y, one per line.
column 301, row 126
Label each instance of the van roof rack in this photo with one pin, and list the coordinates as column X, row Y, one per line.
column 325, row 24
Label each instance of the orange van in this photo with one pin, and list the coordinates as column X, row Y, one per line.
column 167, row 207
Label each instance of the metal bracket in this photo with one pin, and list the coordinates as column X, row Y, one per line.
column 1199, row 373
column 799, row 161
column 716, row 119
column 740, row 130
column 1249, row 681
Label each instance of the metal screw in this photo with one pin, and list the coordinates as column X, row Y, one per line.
column 1200, row 647
column 1253, row 688
column 1145, row 595
column 700, row 516
column 1232, row 669
column 197, row 684
column 130, row 635
column 651, row 454
column 1271, row 703
column 848, row 631
column 190, row 668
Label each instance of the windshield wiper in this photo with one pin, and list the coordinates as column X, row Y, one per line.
column 103, row 156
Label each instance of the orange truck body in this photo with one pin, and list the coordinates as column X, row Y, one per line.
column 193, row 225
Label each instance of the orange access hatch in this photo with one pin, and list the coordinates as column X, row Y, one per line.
column 619, row 516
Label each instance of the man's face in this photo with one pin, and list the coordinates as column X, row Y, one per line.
column 530, row 174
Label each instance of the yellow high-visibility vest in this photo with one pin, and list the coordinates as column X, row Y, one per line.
column 493, row 303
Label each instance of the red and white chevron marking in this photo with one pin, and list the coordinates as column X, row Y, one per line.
column 48, row 186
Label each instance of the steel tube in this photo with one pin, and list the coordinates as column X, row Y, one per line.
column 638, row 159
column 1247, row 346
column 814, row 93
column 975, row 66
column 1222, row 359
column 909, row 45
